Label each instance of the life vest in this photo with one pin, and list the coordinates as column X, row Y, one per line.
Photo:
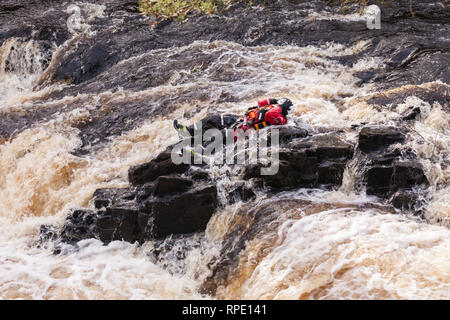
column 255, row 116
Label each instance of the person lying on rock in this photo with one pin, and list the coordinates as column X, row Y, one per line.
column 269, row 111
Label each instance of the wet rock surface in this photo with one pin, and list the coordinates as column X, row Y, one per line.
column 308, row 162
column 387, row 169
column 80, row 224
column 128, row 70
column 185, row 213
column 409, row 200
column 97, row 63
column 171, row 205
column 165, row 199
column 374, row 138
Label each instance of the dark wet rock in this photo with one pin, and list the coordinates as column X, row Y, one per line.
column 118, row 223
column 373, row 138
column 200, row 175
column 90, row 59
column 165, row 185
column 408, row 200
column 144, row 191
column 161, row 165
column 379, row 180
column 324, row 146
column 384, row 158
column 79, row 225
column 307, row 163
column 131, row 221
column 296, row 170
column 287, row 134
column 331, row 173
column 383, row 181
column 407, row 174
column 181, row 213
column 108, row 196
column 431, row 93
column 33, row 20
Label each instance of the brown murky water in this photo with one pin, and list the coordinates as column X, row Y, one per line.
column 337, row 247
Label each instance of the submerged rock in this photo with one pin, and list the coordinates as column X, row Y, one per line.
column 409, row 200
column 47, row 233
column 287, row 134
column 240, row 192
column 255, row 232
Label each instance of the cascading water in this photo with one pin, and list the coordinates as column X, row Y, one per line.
column 22, row 63
column 65, row 136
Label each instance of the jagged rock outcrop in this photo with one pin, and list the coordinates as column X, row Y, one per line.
column 182, row 213
column 240, row 192
column 409, row 200
column 171, row 184
column 170, row 204
column 106, row 197
column 166, row 199
column 307, row 162
column 80, row 224
column 391, row 173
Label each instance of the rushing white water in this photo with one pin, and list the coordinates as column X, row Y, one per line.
column 337, row 252
column 347, row 254
column 21, row 64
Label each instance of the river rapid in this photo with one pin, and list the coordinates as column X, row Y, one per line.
column 80, row 106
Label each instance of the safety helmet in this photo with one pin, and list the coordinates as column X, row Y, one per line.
column 285, row 104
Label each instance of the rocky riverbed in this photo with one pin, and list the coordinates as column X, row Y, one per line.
column 358, row 209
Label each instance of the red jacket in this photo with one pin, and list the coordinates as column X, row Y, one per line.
column 267, row 113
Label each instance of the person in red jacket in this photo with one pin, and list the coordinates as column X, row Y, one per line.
column 269, row 111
